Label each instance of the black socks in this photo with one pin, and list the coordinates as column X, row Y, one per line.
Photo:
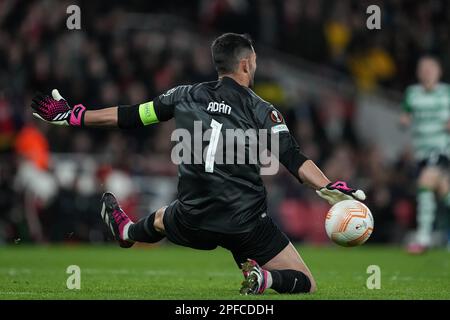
column 290, row 281
column 144, row 231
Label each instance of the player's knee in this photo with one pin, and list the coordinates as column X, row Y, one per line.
column 429, row 179
column 158, row 224
column 426, row 185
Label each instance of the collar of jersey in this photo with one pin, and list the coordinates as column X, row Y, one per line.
column 227, row 81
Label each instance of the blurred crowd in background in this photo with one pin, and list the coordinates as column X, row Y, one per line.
column 51, row 178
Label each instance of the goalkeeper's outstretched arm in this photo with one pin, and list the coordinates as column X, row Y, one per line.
column 55, row 109
column 332, row 192
column 289, row 154
column 306, row 171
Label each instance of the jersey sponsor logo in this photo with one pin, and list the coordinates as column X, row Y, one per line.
column 219, row 107
column 276, row 117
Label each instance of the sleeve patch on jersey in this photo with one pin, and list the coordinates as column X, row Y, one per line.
column 280, row 128
column 169, row 92
column 147, row 113
column 276, row 117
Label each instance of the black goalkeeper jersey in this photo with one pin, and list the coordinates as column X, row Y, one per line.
column 221, row 196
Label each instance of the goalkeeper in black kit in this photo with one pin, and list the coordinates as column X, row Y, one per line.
column 218, row 204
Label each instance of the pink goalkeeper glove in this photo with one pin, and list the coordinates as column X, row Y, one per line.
column 57, row 111
column 338, row 191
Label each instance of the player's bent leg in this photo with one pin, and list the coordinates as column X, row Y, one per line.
column 159, row 220
column 149, row 229
column 288, row 268
column 275, row 263
column 429, row 177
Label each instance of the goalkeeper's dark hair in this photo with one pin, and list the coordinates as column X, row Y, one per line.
column 228, row 49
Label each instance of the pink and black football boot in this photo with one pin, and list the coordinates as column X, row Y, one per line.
column 116, row 219
column 255, row 278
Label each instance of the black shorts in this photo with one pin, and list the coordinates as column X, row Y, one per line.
column 435, row 160
column 261, row 244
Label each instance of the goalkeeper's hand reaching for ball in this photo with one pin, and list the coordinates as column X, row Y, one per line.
column 338, row 191
column 331, row 192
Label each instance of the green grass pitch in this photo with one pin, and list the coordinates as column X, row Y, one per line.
column 170, row 272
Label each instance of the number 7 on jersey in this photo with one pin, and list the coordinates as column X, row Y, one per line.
column 212, row 148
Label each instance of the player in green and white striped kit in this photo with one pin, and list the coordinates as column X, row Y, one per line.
column 427, row 110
